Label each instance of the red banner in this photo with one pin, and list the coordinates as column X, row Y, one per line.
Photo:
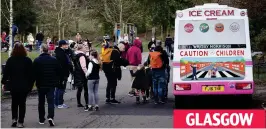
column 219, row 118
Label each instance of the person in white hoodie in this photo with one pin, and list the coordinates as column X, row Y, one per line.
column 93, row 81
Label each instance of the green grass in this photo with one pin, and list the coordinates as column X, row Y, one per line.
column 32, row 55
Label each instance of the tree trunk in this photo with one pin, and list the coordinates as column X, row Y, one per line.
column 63, row 32
column 59, row 31
column 146, row 32
column 161, row 32
column 77, row 25
column 153, row 32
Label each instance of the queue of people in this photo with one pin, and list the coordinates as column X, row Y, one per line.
column 50, row 74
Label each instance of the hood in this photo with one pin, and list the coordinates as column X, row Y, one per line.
column 137, row 43
column 95, row 61
column 77, row 52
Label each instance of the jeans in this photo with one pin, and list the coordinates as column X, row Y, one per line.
column 18, row 106
column 85, row 93
column 59, row 96
column 158, row 77
column 39, row 43
column 93, row 86
column 59, row 93
column 167, row 76
column 49, row 94
column 169, row 49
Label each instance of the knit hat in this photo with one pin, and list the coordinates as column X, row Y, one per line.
column 62, row 42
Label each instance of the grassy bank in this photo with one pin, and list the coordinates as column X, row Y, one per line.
column 4, row 56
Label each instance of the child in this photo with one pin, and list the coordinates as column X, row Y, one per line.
column 140, row 83
column 93, row 81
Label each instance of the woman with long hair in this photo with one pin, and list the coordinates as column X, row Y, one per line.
column 17, row 77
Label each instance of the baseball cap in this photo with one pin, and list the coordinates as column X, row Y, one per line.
column 62, row 42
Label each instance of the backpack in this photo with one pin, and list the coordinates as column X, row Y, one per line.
column 106, row 55
column 156, row 60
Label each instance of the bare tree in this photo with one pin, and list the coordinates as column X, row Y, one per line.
column 111, row 10
column 56, row 13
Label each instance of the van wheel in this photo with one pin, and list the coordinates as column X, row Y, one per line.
column 246, row 101
column 179, row 102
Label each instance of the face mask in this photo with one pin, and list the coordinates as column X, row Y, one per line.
column 138, row 68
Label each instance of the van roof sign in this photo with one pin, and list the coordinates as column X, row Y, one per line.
column 212, row 10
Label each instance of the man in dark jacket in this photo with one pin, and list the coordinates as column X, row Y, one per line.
column 112, row 74
column 168, row 44
column 39, row 39
column 66, row 64
column 47, row 73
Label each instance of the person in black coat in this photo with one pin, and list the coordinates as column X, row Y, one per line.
column 80, row 82
column 64, row 60
column 168, row 44
column 151, row 43
column 47, row 74
column 140, row 83
column 17, row 77
column 113, row 73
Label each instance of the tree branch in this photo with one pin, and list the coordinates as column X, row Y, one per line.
column 5, row 17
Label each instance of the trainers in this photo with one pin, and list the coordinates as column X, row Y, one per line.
column 148, row 98
column 108, row 101
column 113, row 101
column 41, row 122
column 20, row 125
column 63, row 106
column 161, row 102
column 155, row 102
column 96, row 108
column 14, row 123
column 91, row 108
column 263, row 105
column 86, row 108
column 51, row 122
column 80, row 105
column 130, row 94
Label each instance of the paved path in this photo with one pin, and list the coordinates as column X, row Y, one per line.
column 127, row 114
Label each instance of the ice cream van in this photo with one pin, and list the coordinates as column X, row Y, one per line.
column 212, row 52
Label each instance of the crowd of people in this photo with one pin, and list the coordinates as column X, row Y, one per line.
column 51, row 69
